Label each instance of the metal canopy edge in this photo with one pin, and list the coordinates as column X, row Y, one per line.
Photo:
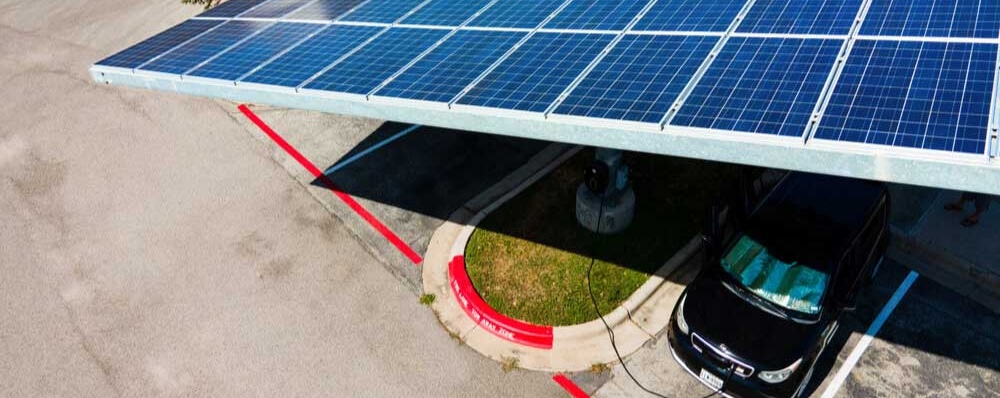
column 977, row 173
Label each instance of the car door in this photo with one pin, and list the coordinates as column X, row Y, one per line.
column 863, row 255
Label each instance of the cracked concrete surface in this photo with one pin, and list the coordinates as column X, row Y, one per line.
column 150, row 246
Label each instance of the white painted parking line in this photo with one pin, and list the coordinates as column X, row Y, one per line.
column 866, row 340
column 373, row 148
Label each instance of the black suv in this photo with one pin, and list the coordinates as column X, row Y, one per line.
column 765, row 305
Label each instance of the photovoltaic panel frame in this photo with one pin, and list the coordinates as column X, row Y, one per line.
column 517, row 84
column 366, row 69
column 191, row 54
column 325, row 10
column 596, row 15
column 640, row 79
column 691, row 15
column 382, row 11
column 609, row 86
column 928, row 95
column 443, row 73
column 524, row 14
column 312, row 56
column 274, row 8
column 829, row 17
column 243, row 58
column 761, row 85
column 446, row 12
column 155, row 46
column 933, row 18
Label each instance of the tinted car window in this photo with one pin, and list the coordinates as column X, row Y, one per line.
column 861, row 253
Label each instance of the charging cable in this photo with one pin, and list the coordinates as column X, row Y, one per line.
column 593, row 300
column 611, row 332
column 729, row 375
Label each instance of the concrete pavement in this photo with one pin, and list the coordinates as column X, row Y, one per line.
column 149, row 247
column 925, row 349
column 412, row 184
column 932, row 241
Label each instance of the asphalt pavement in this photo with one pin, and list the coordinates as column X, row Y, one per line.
column 935, row 343
column 160, row 245
column 151, row 247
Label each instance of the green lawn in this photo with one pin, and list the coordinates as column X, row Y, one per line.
column 529, row 258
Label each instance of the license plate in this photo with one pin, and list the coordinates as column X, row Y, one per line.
column 712, row 380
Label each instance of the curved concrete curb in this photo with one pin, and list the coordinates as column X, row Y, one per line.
column 479, row 310
column 573, row 348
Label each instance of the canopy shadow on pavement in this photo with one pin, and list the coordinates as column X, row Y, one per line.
column 433, row 172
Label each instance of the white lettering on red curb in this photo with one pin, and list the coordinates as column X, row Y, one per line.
column 487, row 318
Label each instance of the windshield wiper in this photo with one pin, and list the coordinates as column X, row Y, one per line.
column 758, row 301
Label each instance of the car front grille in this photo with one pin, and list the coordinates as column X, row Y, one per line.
column 720, row 358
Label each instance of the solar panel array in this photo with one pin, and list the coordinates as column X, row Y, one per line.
column 878, row 73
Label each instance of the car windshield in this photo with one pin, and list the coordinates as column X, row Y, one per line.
column 792, row 286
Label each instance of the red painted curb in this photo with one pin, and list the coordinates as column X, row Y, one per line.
column 487, row 318
column 569, row 386
column 347, row 199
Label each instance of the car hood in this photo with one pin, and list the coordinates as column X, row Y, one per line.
column 750, row 334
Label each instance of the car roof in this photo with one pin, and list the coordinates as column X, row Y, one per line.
column 813, row 219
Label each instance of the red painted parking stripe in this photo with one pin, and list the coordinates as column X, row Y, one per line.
column 347, row 199
column 489, row 319
column 569, row 386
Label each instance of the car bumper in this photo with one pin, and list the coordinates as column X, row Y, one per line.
column 736, row 387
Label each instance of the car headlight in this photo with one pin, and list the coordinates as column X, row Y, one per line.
column 779, row 376
column 681, row 323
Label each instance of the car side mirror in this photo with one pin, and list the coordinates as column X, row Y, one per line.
column 713, row 231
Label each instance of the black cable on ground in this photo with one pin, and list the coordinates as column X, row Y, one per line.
column 593, row 300
column 611, row 333
column 729, row 375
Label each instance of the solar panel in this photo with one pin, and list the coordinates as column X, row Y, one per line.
column 761, row 85
column 446, row 12
column 639, row 79
column 325, row 10
column 248, row 55
column 937, row 18
column 830, row 17
column 366, row 69
column 597, row 15
column 532, row 77
column 928, row 95
column 196, row 51
column 382, row 11
column 305, row 60
column 230, row 8
column 516, row 14
column 444, row 72
column 141, row 53
column 274, row 9
column 691, row 15
column 908, row 96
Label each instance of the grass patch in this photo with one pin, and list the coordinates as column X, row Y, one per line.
column 529, row 258
column 509, row 364
column 427, row 299
column 600, row 368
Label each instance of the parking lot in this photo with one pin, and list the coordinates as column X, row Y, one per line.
column 160, row 245
column 934, row 343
